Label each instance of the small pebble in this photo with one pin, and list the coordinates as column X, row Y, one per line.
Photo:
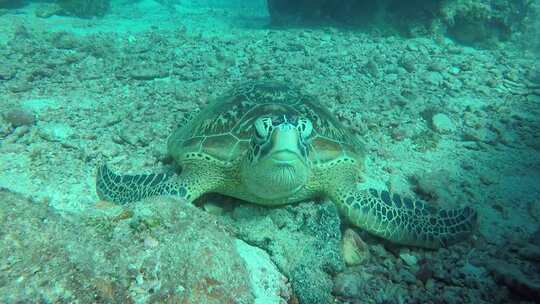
column 5, row 128
column 454, row 71
column 436, row 66
column 434, row 78
column 147, row 73
column 406, row 276
column 150, row 242
column 412, row 46
column 409, row 259
column 372, row 68
column 442, row 123
column 213, row 208
column 391, row 78
column 408, row 63
column 18, row 133
column 430, row 284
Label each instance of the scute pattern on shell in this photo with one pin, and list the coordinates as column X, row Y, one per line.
column 224, row 128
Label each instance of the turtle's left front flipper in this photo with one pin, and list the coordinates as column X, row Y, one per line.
column 403, row 220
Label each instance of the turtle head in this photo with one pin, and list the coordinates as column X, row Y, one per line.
column 277, row 163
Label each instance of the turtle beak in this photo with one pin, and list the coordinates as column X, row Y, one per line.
column 285, row 144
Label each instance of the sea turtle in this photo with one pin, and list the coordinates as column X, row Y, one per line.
column 269, row 144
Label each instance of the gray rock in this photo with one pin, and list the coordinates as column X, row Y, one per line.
column 348, row 285
column 153, row 251
column 19, row 85
column 408, row 63
column 303, row 240
column 409, row 259
column 268, row 285
column 7, row 71
column 480, row 135
column 55, row 131
column 5, row 128
column 434, row 78
column 471, row 271
column 16, row 135
column 354, row 250
column 19, row 117
column 442, row 123
column 512, row 277
column 530, row 252
column 64, row 40
column 145, row 72
column 406, row 276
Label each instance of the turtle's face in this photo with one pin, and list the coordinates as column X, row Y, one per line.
column 277, row 163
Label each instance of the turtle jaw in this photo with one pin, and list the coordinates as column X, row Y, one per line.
column 277, row 176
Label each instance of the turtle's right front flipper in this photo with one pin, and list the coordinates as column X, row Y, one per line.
column 122, row 189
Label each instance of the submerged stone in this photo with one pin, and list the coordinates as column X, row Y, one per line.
column 443, row 124
column 303, row 240
column 154, row 251
column 19, row 117
column 355, row 251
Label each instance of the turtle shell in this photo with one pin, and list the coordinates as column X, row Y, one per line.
column 223, row 129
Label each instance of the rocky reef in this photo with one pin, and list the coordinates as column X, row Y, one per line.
column 470, row 22
column 84, row 8
column 466, row 21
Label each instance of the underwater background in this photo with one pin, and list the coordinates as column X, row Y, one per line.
column 445, row 95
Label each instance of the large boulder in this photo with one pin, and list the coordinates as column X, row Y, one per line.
column 155, row 251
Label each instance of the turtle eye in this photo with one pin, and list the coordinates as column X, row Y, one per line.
column 262, row 128
column 304, row 127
